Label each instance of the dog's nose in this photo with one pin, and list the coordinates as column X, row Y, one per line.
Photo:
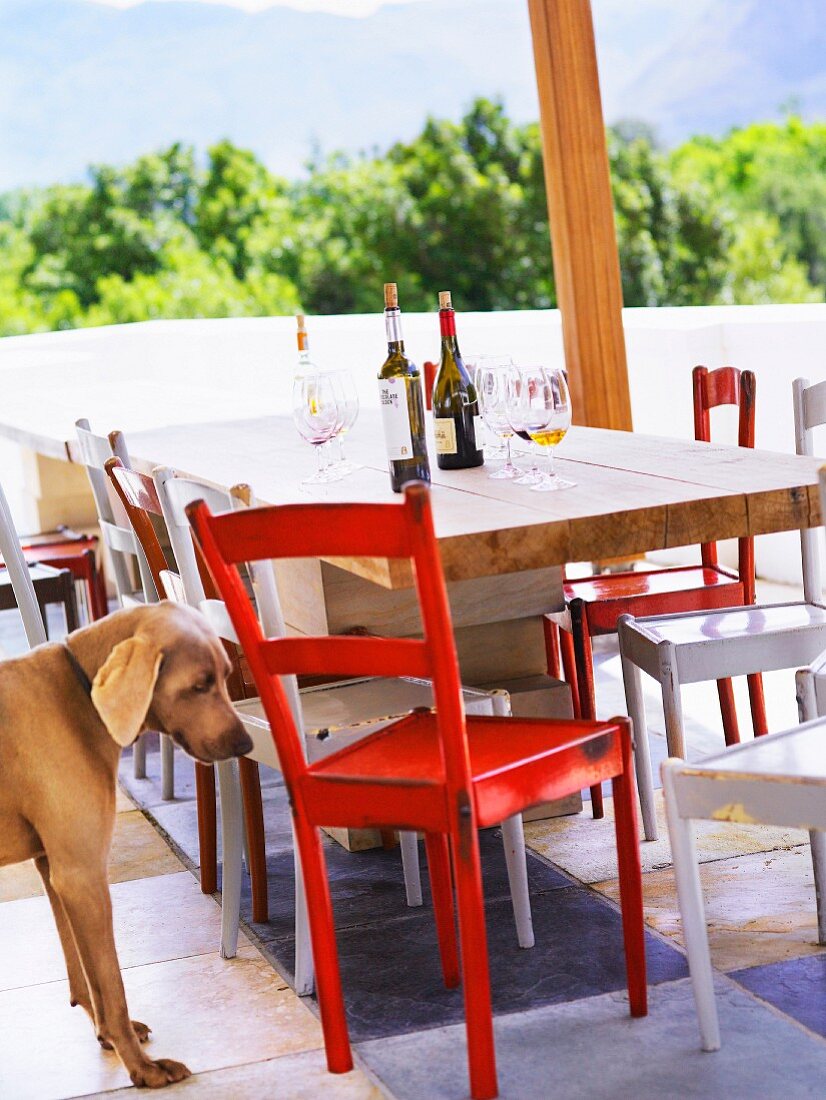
column 240, row 743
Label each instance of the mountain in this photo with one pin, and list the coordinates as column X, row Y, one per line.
column 84, row 82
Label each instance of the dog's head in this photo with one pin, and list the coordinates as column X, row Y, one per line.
column 170, row 675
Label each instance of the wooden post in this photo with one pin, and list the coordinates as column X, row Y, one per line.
column 577, row 180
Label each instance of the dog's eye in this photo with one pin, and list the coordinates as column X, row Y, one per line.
column 204, row 685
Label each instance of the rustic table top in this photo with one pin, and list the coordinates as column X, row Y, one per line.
column 634, row 493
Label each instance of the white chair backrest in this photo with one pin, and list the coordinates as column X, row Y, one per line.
column 809, row 413
column 175, row 493
column 116, row 532
column 21, row 581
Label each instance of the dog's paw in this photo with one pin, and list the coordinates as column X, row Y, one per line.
column 143, row 1031
column 156, row 1075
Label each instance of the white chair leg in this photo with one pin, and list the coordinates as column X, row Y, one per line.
column 167, row 767
column 690, row 897
column 409, row 845
column 304, row 968
column 818, row 839
column 139, row 758
column 642, row 750
column 672, row 701
column 513, row 839
column 806, row 698
column 232, row 828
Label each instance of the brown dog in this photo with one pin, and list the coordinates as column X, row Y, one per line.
column 66, row 711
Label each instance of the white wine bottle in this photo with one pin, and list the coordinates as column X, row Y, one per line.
column 455, row 403
column 400, row 399
column 304, row 364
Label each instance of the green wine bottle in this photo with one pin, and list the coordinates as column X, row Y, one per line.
column 402, row 408
column 456, row 420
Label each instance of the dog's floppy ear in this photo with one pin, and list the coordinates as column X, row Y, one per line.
column 123, row 687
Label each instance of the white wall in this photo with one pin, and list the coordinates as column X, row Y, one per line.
column 244, row 367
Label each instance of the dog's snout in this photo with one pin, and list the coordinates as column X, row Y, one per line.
column 239, row 743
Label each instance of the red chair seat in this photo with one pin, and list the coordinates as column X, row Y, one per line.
column 514, row 762
column 654, row 592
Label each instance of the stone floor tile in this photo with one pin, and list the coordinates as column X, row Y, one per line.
column 760, row 908
column 205, row 1011
column 292, row 1077
column 392, row 977
column 797, row 987
column 587, row 849
column 138, row 851
column 158, row 918
column 592, row 1050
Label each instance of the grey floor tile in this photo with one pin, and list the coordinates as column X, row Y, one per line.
column 592, row 1049
column 795, row 986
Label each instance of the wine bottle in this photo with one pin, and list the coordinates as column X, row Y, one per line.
column 402, row 408
column 304, row 363
column 456, row 420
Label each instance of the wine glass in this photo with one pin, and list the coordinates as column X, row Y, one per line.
column 347, row 399
column 493, row 381
column 317, row 417
column 540, row 404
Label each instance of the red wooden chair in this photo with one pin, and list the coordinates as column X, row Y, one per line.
column 139, row 497
column 442, row 774
column 594, row 604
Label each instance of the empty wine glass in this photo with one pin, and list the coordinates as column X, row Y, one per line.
column 493, row 380
column 540, row 405
column 347, row 399
column 317, row 417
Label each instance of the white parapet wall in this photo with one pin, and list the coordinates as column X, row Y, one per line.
column 209, row 370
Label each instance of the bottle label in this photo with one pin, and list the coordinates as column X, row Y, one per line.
column 444, row 428
column 395, row 418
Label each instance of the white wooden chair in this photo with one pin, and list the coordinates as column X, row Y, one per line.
column 124, row 552
column 331, row 715
column 21, row 581
column 699, row 646
column 774, row 780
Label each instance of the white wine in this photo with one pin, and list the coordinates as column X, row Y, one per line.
column 456, row 420
column 402, row 407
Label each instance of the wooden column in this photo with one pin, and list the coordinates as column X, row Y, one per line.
column 585, row 256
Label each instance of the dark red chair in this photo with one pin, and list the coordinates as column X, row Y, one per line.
column 139, row 497
column 594, row 604
column 437, row 773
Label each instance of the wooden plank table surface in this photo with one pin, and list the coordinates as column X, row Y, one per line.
column 634, row 493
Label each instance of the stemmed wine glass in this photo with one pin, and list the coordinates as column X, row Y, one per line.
column 348, row 406
column 539, row 404
column 317, row 417
column 493, row 378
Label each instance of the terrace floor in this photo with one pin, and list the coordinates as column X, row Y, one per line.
column 561, row 1011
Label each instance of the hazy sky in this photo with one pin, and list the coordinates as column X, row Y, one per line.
column 337, row 7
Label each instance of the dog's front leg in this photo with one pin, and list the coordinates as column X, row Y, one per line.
column 84, row 894
column 80, row 991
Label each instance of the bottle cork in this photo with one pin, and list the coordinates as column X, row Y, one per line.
column 302, row 327
column 444, row 300
column 391, row 296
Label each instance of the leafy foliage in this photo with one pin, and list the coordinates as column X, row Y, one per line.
column 739, row 219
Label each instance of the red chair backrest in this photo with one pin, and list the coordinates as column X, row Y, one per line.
column 139, row 498
column 429, row 369
column 727, row 386
column 350, row 531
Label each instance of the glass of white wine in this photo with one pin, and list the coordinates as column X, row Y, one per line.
column 492, row 375
column 539, row 406
column 317, row 417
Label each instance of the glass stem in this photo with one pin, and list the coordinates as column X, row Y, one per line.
column 550, row 471
column 507, row 451
column 322, row 465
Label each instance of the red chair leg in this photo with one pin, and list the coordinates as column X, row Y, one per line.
column 585, row 680
column 441, row 886
column 728, row 711
column 254, row 820
column 758, row 705
column 325, row 954
column 475, row 972
column 207, row 836
column 552, row 648
column 630, row 880
column 566, row 645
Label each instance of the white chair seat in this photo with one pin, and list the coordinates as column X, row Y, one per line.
column 339, row 714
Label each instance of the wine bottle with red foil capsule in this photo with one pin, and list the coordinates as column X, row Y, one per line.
column 456, row 421
column 402, row 407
